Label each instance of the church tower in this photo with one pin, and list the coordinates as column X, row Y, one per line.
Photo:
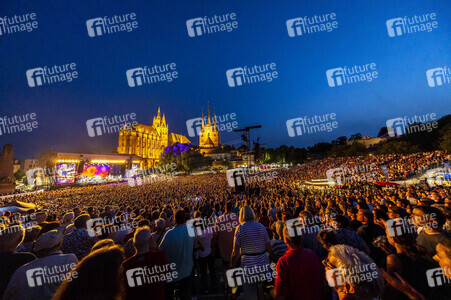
column 159, row 123
column 209, row 135
column 148, row 142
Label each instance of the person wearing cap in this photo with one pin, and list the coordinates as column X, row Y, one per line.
column 67, row 219
column 41, row 278
column 10, row 260
column 40, row 218
column 31, row 234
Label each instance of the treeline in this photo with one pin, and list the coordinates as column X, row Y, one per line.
column 416, row 140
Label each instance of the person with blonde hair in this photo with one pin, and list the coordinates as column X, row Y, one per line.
column 251, row 246
column 353, row 274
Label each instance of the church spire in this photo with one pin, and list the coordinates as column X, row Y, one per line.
column 208, row 117
column 214, row 118
column 202, row 126
column 163, row 121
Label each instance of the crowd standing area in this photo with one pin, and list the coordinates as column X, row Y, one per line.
column 196, row 237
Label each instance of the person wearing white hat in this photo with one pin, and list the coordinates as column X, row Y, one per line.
column 41, row 278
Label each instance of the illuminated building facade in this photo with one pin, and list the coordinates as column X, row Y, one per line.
column 209, row 137
column 148, row 142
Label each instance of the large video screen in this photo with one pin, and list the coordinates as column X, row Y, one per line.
column 94, row 170
column 66, row 173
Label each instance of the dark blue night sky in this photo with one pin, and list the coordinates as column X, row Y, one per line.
column 261, row 37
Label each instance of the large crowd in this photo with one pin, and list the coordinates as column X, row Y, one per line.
column 194, row 236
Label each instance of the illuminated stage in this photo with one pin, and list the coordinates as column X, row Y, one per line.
column 82, row 168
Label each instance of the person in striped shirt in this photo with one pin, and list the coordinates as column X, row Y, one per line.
column 251, row 246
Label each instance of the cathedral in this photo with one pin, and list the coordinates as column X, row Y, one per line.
column 147, row 141
column 209, row 137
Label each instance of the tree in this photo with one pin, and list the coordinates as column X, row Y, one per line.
column 395, row 147
column 19, row 174
column 228, row 148
column 298, row 155
column 185, row 157
column 243, row 148
column 355, row 149
column 382, row 131
column 340, row 141
column 445, row 140
column 224, row 162
column 320, row 148
column 192, row 160
column 355, row 137
column 47, row 158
